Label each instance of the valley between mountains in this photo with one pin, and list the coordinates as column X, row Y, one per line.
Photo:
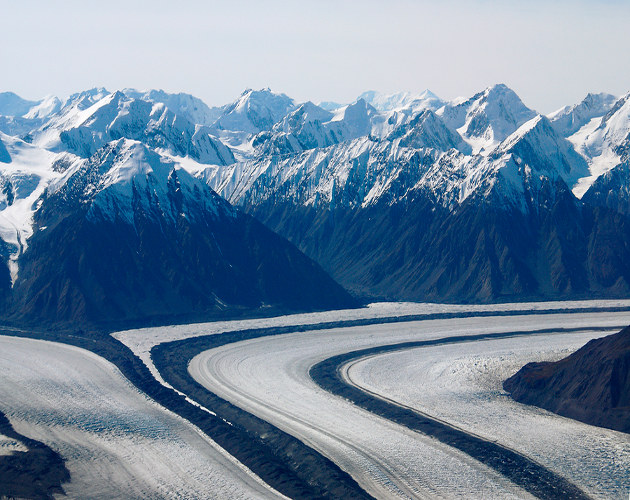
column 397, row 297
column 264, row 425
column 147, row 206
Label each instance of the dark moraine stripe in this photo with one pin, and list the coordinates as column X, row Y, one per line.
column 521, row 470
column 317, row 477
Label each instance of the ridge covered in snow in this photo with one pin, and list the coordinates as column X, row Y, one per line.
column 402, row 101
column 488, row 117
column 603, row 136
column 126, row 174
column 382, row 148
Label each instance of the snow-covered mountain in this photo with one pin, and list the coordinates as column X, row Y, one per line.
column 427, row 130
column 19, row 116
column 488, row 117
column 422, row 155
column 25, row 173
column 569, row 119
column 254, row 111
column 310, row 126
column 402, row 196
column 611, row 189
column 189, row 106
column 603, row 136
column 125, row 176
column 12, row 104
column 102, row 219
column 361, row 205
column 402, row 101
column 83, row 131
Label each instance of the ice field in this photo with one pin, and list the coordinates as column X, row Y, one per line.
column 117, row 442
column 462, row 384
column 269, row 378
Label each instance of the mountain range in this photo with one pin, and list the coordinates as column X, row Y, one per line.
column 143, row 204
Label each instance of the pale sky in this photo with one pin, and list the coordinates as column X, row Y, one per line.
column 550, row 52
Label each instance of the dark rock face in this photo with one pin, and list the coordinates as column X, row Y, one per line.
column 480, row 252
column 158, row 245
column 5, row 277
column 611, row 190
column 591, row 385
column 98, row 271
column 5, row 157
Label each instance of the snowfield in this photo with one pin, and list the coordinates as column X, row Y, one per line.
column 269, row 377
column 117, row 442
column 462, row 385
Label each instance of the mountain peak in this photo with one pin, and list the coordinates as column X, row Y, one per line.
column 93, row 94
column 488, row 117
column 569, row 119
column 12, row 104
column 427, row 130
column 306, row 112
column 254, row 111
column 501, row 93
column 427, row 94
column 401, row 100
column 126, row 175
column 182, row 104
column 82, row 131
column 537, row 145
column 498, row 88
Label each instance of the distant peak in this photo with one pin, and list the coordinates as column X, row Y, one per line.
column 499, row 87
column 359, row 107
column 369, row 95
column 427, row 94
column 498, row 91
column 401, row 100
column 10, row 94
column 601, row 98
column 93, row 92
column 264, row 90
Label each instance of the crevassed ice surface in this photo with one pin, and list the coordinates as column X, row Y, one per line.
column 269, row 378
column 117, row 442
column 462, row 384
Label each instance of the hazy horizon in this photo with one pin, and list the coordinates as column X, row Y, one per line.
column 551, row 55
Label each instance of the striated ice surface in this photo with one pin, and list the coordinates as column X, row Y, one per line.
column 142, row 340
column 462, row 384
column 117, row 443
column 269, row 377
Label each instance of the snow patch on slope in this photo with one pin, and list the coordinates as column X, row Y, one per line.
column 22, row 181
column 604, row 141
column 569, row 119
